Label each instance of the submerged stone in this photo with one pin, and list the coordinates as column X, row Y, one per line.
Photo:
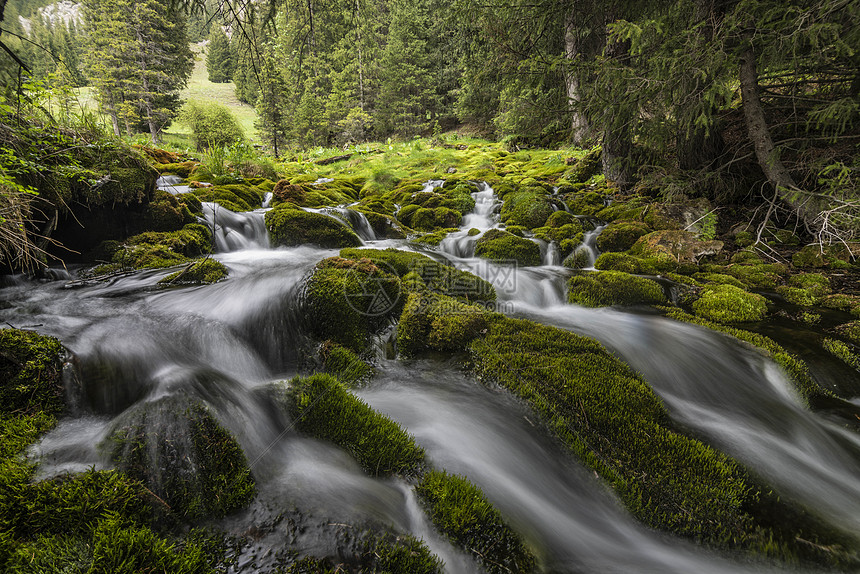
column 180, row 451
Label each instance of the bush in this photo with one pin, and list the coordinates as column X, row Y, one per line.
column 212, row 125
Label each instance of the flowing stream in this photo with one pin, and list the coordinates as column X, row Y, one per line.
column 225, row 343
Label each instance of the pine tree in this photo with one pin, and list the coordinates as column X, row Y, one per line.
column 220, row 60
column 138, row 59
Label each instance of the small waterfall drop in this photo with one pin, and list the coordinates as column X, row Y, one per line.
column 236, row 231
column 353, row 219
column 170, row 184
column 461, row 244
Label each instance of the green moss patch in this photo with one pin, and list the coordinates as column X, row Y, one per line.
column 805, row 289
column 621, row 235
column 503, row 247
column 289, row 225
column 166, row 213
column 842, row 351
column 434, row 276
column 31, row 368
column 606, row 288
column 843, row 302
column 626, row 263
column 835, row 256
column 615, row 423
column 323, row 408
column 528, row 209
column 346, row 300
column 376, row 553
column 850, row 331
column 460, row 510
column 729, row 304
column 435, row 322
column 154, row 249
column 344, row 364
column 202, row 272
column 180, row 451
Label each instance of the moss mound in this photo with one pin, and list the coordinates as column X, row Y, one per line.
column 346, row 301
column 606, row 288
column 836, row 256
column 675, row 246
column 153, row 249
column 460, row 510
column 503, row 247
column 435, row 322
column 842, row 351
column 850, row 331
column 31, row 368
column 729, row 304
column 180, row 451
column 376, row 553
column 805, row 289
column 344, row 364
column 202, row 272
column 528, row 209
column 290, row 226
column 621, row 235
column 166, row 213
column 433, row 276
column 323, row 408
column 626, row 263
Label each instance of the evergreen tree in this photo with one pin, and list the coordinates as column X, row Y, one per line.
column 220, row 60
column 139, row 59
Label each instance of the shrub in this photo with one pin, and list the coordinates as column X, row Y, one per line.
column 212, row 125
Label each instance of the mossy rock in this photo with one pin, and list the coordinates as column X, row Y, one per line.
column 569, row 232
column 430, row 219
column 166, row 213
column 718, row 279
column 611, row 419
column 842, row 351
column 154, row 249
column 321, row 407
column 765, row 276
column 623, row 262
column 177, row 448
column 434, row 276
column 843, row 302
column 31, row 367
column 374, row 553
column 528, row 209
column 289, row 226
column 562, row 218
column 836, row 256
column 850, row 331
column 605, row 288
column 286, row 192
column 621, row 235
column 503, row 247
column 587, row 203
column 183, row 169
column 344, row 364
column 435, row 322
column 674, row 245
column 585, row 168
column 202, row 272
column 805, row 289
column 226, row 197
column 347, row 300
column 729, row 304
column 461, row 511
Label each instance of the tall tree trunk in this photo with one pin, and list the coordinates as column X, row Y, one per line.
column 357, row 19
column 759, row 134
column 617, row 138
column 579, row 123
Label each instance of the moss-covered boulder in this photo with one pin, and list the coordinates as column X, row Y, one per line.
column 528, row 209
column 587, row 167
column 729, row 304
column 321, row 407
column 235, row 197
column 153, row 249
column 344, row 364
column 31, row 369
column 166, row 213
column 432, row 275
column 346, row 300
column 286, row 192
column 835, row 256
column 288, row 225
column 431, row 321
column 184, row 456
column 606, row 288
column 461, row 511
column 202, row 272
column 614, row 261
column 621, row 235
column 760, row 276
column 503, row 247
column 805, row 289
column 675, row 245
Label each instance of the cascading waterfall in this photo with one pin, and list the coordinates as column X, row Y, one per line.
column 224, row 344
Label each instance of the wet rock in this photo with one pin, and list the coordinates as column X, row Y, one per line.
column 680, row 246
